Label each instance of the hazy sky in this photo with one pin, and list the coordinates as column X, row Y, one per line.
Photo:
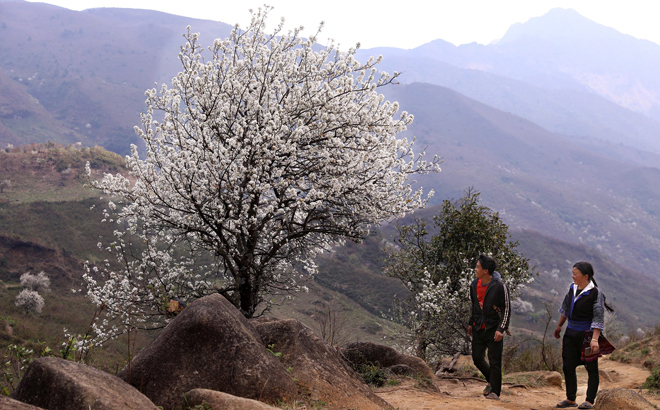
column 407, row 23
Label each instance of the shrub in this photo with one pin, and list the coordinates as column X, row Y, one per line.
column 14, row 362
column 653, row 381
column 372, row 374
column 30, row 300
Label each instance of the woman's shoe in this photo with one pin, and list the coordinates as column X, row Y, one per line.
column 487, row 390
column 492, row 396
column 564, row 404
column 586, row 405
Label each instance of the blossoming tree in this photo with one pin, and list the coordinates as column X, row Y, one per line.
column 438, row 270
column 265, row 150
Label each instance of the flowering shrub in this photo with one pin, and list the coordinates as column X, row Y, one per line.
column 38, row 283
column 259, row 156
column 30, row 300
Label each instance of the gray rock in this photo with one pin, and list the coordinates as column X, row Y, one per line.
column 384, row 356
column 553, row 379
column 222, row 401
column 10, row 404
column 209, row 345
column 321, row 373
column 58, row 384
column 617, row 399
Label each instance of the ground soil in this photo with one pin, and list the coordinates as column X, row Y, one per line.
column 466, row 394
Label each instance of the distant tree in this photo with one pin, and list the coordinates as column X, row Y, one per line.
column 30, row 300
column 38, row 283
column 332, row 325
column 262, row 155
column 438, row 270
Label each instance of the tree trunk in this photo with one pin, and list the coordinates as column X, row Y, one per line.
column 421, row 342
column 247, row 297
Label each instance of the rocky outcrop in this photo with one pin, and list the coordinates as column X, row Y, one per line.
column 384, row 356
column 216, row 400
column 320, row 372
column 209, row 345
column 58, row 384
column 10, row 404
column 617, row 399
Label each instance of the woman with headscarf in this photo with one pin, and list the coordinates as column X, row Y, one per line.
column 584, row 309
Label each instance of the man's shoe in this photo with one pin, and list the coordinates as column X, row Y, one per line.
column 492, row 396
column 487, row 390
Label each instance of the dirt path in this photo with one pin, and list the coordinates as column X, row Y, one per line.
column 466, row 395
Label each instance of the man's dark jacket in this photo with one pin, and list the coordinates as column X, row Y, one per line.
column 496, row 298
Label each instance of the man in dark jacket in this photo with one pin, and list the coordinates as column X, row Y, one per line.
column 491, row 312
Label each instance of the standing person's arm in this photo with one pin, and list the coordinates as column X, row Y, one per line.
column 598, row 321
column 471, row 312
column 565, row 306
column 506, row 313
column 562, row 320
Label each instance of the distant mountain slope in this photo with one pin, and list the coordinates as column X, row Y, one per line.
column 561, row 70
column 633, row 295
column 24, row 120
column 584, row 116
column 563, row 49
column 536, row 179
column 90, row 69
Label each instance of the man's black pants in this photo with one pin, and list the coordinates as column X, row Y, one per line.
column 492, row 369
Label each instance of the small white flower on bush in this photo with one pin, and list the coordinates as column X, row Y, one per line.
column 30, row 300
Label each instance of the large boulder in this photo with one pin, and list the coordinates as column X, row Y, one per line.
column 10, row 404
column 58, row 384
column 215, row 400
column 384, row 356
column 617, row 399
column 320, row 372
column 209, row 345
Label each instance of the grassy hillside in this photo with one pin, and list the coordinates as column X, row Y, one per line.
column 52, row 172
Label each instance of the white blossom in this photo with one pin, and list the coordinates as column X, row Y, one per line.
column 37, row 283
